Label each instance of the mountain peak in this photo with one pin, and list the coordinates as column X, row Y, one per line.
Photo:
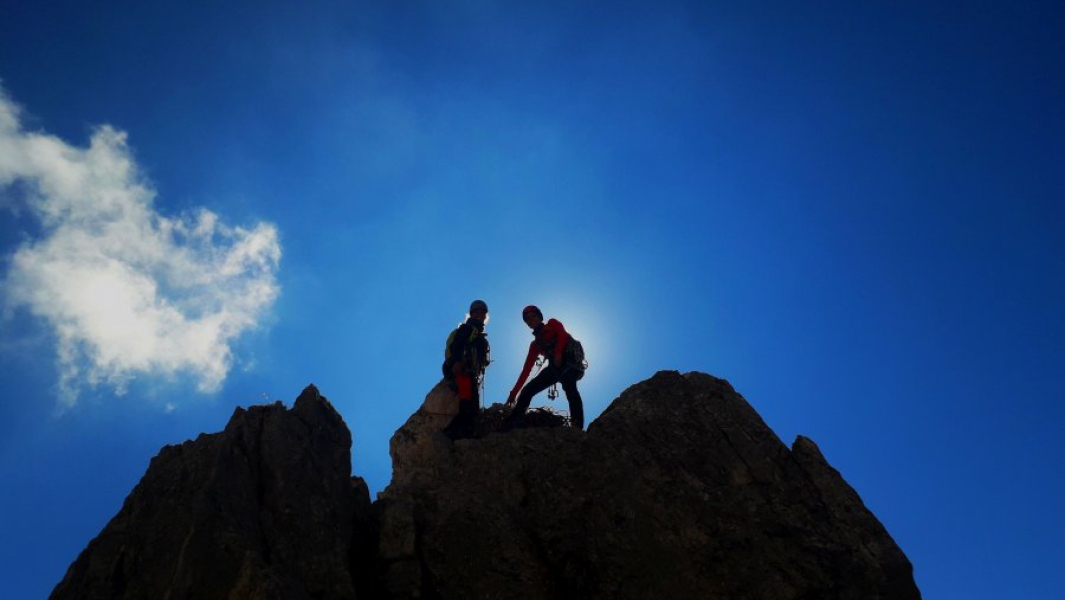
column 678, row 489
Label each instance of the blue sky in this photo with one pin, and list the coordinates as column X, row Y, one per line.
column 851, row 211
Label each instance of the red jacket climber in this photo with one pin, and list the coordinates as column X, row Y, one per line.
column 550, row 340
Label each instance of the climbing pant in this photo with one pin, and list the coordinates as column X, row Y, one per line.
column 545, row 379
column 459, row 380
column 462, row 426
column 465, row 385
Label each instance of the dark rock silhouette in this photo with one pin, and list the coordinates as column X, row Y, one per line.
column 678, row 490
column 265, row 509
column 418, row 449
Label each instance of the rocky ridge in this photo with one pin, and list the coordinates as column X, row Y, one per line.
column 678, row 490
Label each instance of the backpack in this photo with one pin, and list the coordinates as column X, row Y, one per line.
column 573, row 357
column 471, row 354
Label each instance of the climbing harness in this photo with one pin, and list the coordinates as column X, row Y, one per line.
column 552, row 392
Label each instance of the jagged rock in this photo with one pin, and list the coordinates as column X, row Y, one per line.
column 491, row 419
column 265, row 509
column 679, row 490
column 419, row 445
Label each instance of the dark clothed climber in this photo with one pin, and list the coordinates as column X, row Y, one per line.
column 465, row 359
column 550, row 340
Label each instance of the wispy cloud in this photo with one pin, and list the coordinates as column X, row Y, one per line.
column 128, row 291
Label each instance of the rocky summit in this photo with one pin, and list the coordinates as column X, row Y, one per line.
column 678, row 490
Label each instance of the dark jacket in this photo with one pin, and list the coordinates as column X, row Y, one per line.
column 469, row 344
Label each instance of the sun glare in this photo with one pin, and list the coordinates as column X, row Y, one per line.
column 587, row 321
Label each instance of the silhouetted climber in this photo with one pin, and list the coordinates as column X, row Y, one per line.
column 466, row 357
column 552, row 341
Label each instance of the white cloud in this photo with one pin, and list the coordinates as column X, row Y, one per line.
column 129, row 292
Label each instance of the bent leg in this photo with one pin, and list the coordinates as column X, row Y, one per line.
column 544, row 380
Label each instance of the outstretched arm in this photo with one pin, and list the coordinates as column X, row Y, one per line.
column 529, row 361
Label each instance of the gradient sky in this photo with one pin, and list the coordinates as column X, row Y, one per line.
column 853, row 211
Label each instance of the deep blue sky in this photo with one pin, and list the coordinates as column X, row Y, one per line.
column 853, row 211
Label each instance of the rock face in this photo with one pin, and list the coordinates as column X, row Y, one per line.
column 678, row 490
column 419, row 442
column 265, row 509
column 419, row 449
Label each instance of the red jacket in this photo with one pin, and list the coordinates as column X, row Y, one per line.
column 550, row 338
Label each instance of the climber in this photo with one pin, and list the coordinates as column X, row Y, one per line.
column 550, row 340
column 466, row 357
